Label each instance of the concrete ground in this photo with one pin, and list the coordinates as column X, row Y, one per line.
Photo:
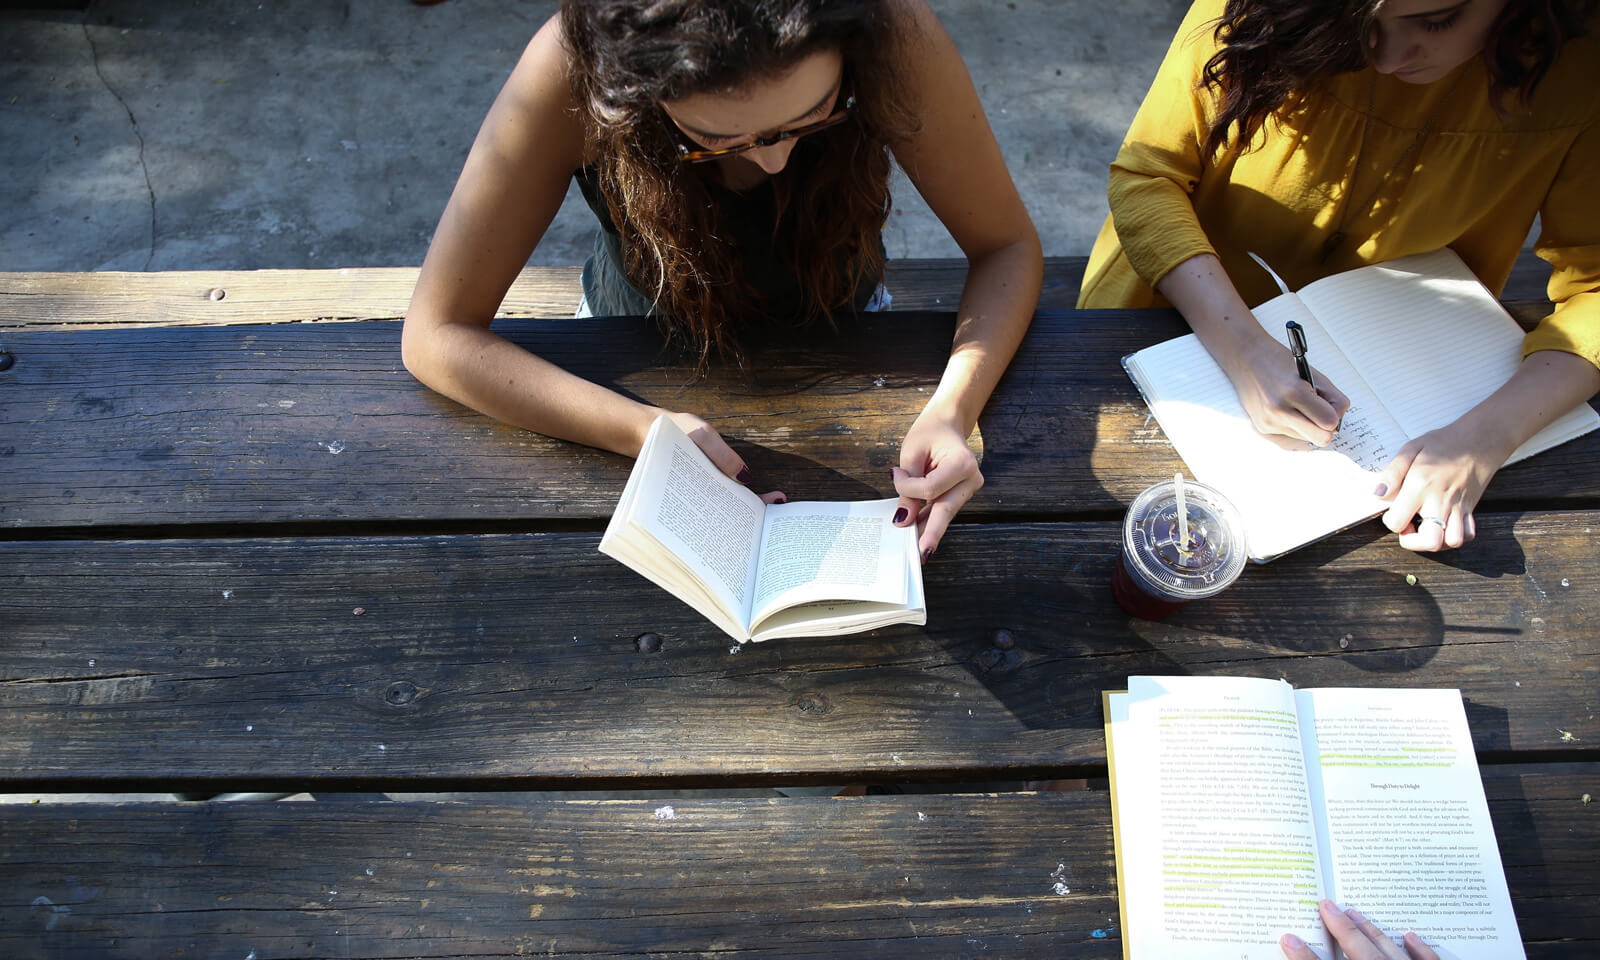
column 224, row 134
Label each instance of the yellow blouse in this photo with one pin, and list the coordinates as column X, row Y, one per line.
column 1438, row 167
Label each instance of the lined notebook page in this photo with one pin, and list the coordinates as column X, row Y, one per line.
column 1290, row 492
column 1430, row 340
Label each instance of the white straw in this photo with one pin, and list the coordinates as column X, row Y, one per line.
column 1183, row 512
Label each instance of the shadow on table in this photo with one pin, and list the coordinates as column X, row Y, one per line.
column 1495, row 553
column 1525, row 858
column 1031, row 618
column 815, row 407
column 1054, row 647
column 817, row 413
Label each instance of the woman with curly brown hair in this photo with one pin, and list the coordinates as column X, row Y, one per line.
column 737, row 155
column 1330, row 134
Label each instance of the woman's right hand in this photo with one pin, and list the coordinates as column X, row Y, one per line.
column 1278, row 401
column 1262, row 370
column 720, row 454
column 1359, row 937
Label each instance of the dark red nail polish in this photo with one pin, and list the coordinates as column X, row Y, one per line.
column 745, row 476
column 781, row 500
column 900, row 515
column 926, row 554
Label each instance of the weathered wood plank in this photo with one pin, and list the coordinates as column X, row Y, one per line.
column 49, row 301
column 929, row 875
column 185, row 297
column 936, row 284
column 1529, row 280
column 243, row 664
column 275, row 423
column 862, row 877
column 1063, row 276
column 1549, row 838
column 209, row 297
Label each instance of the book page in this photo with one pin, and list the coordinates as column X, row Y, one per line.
column 1214, row 824
column 1289, row 491
column 709, row 522
column 626, row 541
column 830, row 551
column 1407, row 828
column 830, row 618
column 1430, row 339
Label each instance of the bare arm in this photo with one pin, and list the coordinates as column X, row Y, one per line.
column 510, row 189
column 1262, row 371
column 956, row 165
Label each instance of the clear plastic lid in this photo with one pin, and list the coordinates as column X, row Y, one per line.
column 1207, row 564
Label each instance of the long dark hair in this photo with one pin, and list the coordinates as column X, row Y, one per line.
column 832, row 198
column 1271, row 51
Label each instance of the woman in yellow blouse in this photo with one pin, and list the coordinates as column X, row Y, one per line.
column 1329, row 134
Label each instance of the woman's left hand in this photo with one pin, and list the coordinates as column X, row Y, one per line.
column 1442, row 473
column 1439, row 476
column 937, row 475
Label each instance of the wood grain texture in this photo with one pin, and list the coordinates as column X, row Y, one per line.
column 936, row 284
column 292, row 422
column 242, row 664
column 210, row 297
column 51, row 301
column 958, row 876
column 1529, row 280
column 1548, row 835
column 803, row 878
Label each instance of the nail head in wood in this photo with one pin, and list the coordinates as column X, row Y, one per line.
column 400, row 692
column 811, row 702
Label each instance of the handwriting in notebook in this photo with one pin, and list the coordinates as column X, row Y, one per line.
column 1361, row 439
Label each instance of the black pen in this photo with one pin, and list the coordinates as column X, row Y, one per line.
column 1297, row 346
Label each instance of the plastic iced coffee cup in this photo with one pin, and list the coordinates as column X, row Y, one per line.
column 1157, row 571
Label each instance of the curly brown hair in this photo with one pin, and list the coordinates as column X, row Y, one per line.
column 1272, row 51
column 832, row 198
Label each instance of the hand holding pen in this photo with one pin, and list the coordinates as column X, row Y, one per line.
column 1297, row 347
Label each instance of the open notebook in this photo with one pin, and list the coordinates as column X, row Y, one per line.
column 1414, row 343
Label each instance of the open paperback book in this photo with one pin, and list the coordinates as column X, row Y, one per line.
column 802, row 569
column 1414, row 343
column 1238, row 803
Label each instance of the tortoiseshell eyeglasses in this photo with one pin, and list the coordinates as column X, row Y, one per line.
column 689, row 154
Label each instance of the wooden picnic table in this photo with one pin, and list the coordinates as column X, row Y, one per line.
column 253, row 554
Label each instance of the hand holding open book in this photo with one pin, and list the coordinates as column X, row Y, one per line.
column 760, row 571
column 1238, row 804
